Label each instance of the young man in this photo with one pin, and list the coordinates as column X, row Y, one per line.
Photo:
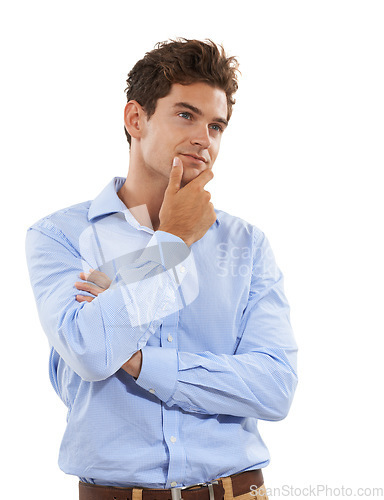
column 182, row 340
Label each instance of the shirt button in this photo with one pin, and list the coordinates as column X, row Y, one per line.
column 152, row 391
column 182, row 269
column 170, row 338
column 173, row 484
column 173, row 439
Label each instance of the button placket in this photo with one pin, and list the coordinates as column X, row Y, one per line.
column 171, row 415
column 169, row 331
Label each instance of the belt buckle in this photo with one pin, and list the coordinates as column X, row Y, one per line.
column 176, row 491
column 210, row 488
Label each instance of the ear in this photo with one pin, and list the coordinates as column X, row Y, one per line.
column 133, row 116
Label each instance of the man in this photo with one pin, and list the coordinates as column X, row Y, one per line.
column 181, row 339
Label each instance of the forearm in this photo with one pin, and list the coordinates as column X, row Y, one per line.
column 95, row 339
column 257, row 384
column 98, row 338
column 258, row 378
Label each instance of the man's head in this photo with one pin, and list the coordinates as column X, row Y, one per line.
column 180, row 98
column 184, row 62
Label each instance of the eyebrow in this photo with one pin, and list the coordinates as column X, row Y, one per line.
column 199, row 112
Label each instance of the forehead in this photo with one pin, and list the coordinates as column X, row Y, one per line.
column 212, row 101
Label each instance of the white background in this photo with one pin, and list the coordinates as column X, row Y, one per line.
column 301, row 159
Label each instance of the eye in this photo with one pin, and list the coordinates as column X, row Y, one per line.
column 216, row 127
column 185, row 114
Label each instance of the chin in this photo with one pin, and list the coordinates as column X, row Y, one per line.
column 189, row 176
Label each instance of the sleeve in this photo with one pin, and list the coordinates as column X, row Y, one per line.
column 95, row 339
column 258, row 380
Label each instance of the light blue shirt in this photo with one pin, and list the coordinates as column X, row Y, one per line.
column 213, row 325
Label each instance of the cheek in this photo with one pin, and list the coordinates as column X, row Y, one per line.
column 158, row 154
column 215, row 149
column 151, row 145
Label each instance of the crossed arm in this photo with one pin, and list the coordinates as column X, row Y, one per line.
column 257, row 380
column 95, row 283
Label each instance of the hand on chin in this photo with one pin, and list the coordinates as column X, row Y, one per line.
column 190, row 173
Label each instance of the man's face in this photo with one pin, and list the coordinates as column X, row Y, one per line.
column 187, row 123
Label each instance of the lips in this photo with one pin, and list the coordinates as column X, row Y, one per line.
column 195, row 157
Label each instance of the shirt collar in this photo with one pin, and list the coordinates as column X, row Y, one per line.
column 108, row 202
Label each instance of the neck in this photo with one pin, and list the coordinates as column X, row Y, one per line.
column 143, row 193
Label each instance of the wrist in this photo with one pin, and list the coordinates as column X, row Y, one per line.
column 171, row 231
column 133, row 365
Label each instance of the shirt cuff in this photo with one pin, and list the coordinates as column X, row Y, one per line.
column 159, row 371
column 172, row 253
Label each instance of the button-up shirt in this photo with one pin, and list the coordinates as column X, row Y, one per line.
column 212, row 322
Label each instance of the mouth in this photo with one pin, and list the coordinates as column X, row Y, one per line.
column 196, row 158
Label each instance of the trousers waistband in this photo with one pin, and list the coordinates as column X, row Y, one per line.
column 221, row 489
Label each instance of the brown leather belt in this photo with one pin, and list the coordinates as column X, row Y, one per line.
column 241, row 484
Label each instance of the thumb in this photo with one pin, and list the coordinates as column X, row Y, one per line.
column 176, row 174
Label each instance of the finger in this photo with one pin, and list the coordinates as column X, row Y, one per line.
column 83, row 276
column 99, row 278
column 208, row 194
column 89, row 287
column 202, row 179
column 175, row 175
column 84, row 298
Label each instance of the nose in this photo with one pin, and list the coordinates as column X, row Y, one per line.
column 201, row 137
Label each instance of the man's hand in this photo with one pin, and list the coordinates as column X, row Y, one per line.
column 96, row 282
column 187, row 212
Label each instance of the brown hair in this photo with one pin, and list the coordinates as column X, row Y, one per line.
column 180, row 61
